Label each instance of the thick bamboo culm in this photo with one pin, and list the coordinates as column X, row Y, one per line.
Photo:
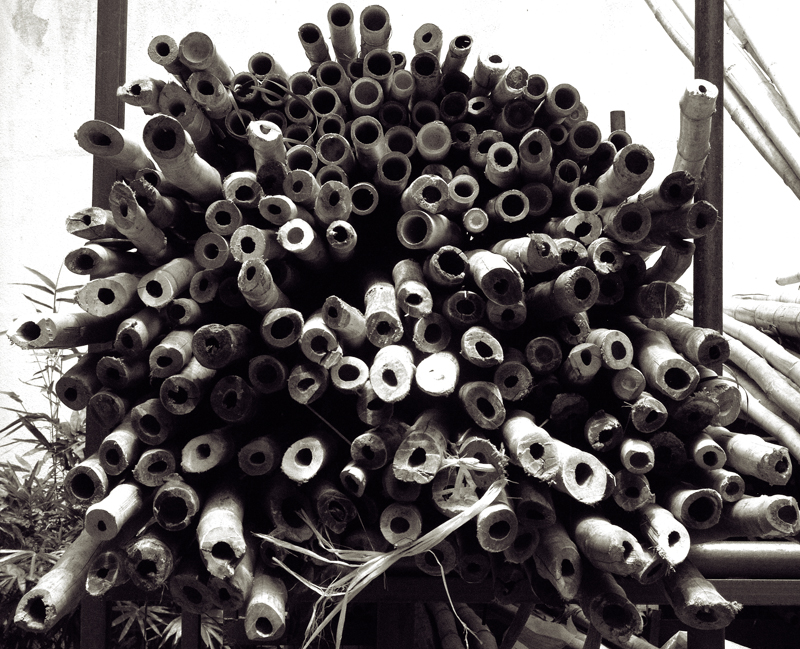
column 451, row 292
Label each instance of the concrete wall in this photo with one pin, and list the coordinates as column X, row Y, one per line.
column 613, row 51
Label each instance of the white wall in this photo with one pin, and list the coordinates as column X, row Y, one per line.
column 613, row 51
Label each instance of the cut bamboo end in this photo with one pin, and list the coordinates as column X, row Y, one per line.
column 220, row 534
column 105, row 519
column 392, row 373
column 349, row 375
column 207, row 451
column 558, row 561
column 696, row 601
column 632, row 490
column 530, row 446
column 106, row 571
column 175, row 504
column 306, row 457
column 581, row 475
column 375, row 448
column 497, row 526
column 696, row 508
column 307, row 382
column 421, row 453
column 441, row 558
column 87, row 483
column 608, row 608
column 109, row 295
column 181, row 393
column 154, row 467
column 60, row 590
column 267, row 374
column 120, row 449
column 401, row 523
column 216, row 346
column 265, row 616
column 534, row 504
column 483, row 402
column 669, row 536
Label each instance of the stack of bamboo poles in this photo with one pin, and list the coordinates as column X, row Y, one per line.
column 383, row 313
column 761, row 92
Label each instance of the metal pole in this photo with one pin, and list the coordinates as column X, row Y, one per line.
column 708, row 65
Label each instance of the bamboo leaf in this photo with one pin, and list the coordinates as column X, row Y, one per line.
column 36, row 433
column 46, row 289
column 74, row 287
column 28, row 297
column 12, row 395
column 69, row 300
column 42, row 277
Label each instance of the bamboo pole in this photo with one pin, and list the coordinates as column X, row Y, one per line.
column 696, row 602
column 60, row 590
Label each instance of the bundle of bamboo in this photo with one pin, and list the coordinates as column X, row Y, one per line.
column 373, row 315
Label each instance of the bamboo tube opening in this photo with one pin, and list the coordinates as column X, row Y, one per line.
column 677, row 378
column 261, row 63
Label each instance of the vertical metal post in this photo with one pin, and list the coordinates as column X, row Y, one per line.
column 708, row 65
column 110, row 55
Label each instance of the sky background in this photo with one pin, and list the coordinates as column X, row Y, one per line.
column 614, row 52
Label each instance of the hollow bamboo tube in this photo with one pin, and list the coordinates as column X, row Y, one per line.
column 413, row 296
column 354, row 479
column 184, row 312
column 87, row 483
column 132, row 222
column 171, row 354
column 700, row 345
column 632, row 490
column 281, row 327
column 151, row 557
column 318, row 342
column 665, row 370
column 105, row 519
column 155, row 465
column 446, row 267
column 421, row 452
column 188, row 585
column 382, row 320
column 427, row 192
column 120, row 449
column 774, row 516
column 535, row 253
column 690, row 221
column 92, row 223
column 267, row 374
column 512, row 376
column 342, row 32
column 114, row 146
column 135, row 334
column 62, row 330
column 628, row 384
column 198, row 52
column 480, row 348
column 60, row 590
column 333, row 203
column 163, row 50
column 607, row 606
column 557, row 559
column 100, row 261
column 161, row 285
column 307, row 382
column 231, row 594
column 728, row 484
column 752, row 455
column 669, row 537
column 697, row 105
column 695, row 508
column 172, row 147
column 633, row 165
column 627, row 223
column 76, row 386
column 497, row 525
column 242, row 189
column 334, row 508
column 603, row 431
column 573, row 291
column 392, row 373
column 180, row 393
column 306, row 457
column 695, row 600
column 342, row 239
column 637, row 455
column 529, row 446
column 497, row 278
column 216, row 346
column 208, row 451
column 176, row 504
column 581, row 364
column 606, row 546
column 233, row 400
column 419, row 230
column 401, row 523
column 406, row 492
column 705, row 452
column 152, row 422
column 300, row 239
column 259, row 456
column 108, row 408
column 105, row 572
column 213, row 96
column 376, row 447
column 220, row 533
column 348, row 322
column 483, row 402
column 441, row 558
column 616, row 350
